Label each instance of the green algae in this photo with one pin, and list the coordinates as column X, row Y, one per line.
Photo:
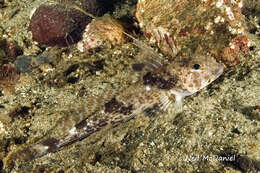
column 158, row 143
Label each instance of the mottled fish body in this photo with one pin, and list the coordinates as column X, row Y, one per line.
column 159, row 88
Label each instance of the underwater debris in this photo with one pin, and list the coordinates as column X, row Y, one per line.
column 55, row 25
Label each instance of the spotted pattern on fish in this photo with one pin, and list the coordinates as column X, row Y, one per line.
column 79, row 112
column 160, row 88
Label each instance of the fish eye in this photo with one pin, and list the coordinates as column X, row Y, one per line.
column 196, row 66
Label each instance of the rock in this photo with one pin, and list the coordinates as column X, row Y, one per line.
column 23, row 64
column 188, row 27
column 55, row 25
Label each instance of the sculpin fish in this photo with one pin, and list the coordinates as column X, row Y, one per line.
column 159, row 86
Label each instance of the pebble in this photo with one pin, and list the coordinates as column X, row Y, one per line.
column 23, row 64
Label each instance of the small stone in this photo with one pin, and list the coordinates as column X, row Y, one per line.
column 55, row 25
column 23, row 64
column 46, row 68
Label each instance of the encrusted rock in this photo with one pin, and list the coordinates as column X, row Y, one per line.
column 214, row 26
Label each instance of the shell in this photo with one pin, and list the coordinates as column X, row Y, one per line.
column 102, row 32
column 192, row 25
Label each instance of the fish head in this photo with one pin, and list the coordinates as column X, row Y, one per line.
column 196, row 72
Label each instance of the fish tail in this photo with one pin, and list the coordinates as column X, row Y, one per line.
column 52, row 144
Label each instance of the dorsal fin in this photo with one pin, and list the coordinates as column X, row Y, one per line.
column 152, row 60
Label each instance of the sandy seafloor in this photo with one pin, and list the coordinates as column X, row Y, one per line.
column 220, row 119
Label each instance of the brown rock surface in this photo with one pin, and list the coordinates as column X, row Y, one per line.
column 55, row 25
